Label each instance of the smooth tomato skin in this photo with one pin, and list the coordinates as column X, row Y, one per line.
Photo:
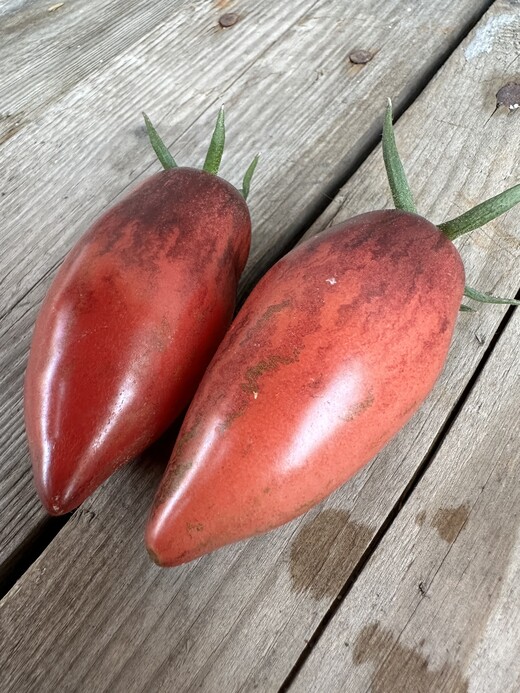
column 332, row 353
column 128, row 326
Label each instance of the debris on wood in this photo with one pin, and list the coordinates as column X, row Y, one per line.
column 360, row 57
column 228, row 19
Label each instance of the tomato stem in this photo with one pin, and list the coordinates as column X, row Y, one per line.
column 161, row 150
column 482, row 213
column 246, row 183
column 216, row 146
column 213, row 156
column 401, row 193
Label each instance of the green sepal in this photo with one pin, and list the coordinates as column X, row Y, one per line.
column 401, row 193
column 161, row 150
column 482, row 213
column 486, row 298
column 246, row 183
column 216, row 146
column 466, row 309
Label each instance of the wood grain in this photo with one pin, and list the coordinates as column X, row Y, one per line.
column 93, row 610
column 287, row 83
column 435, row 609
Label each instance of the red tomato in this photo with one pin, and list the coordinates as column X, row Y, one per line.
column 332, row 353
column 128, row 327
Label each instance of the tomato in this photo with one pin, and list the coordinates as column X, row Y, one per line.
column 128, row 326
column 332, row 353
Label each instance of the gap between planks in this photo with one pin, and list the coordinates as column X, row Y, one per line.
column 29, row 550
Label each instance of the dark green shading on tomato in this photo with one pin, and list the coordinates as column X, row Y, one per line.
column 332, row 353
column 130, row 323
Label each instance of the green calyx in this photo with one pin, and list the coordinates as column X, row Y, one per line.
column 216, row 146
column 469, row 221
column 401, row 193
column 246, row 183
column 486, row 298
column 213, row 156
column 160, row 149
column 482, row 213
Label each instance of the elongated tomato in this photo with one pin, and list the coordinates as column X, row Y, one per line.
column 128, row 326
column 331, row 354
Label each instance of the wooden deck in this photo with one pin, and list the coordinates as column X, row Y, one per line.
column 407, row 579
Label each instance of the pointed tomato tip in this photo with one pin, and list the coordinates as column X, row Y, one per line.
column 55, row 505
column 151, row 544
column 56, row 497
column 155, row 558
column 165, row 545
column 54, row 509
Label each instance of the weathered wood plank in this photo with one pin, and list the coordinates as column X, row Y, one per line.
column 296, row 59
column 47, row 47
column 436, row 608
column 92, row 609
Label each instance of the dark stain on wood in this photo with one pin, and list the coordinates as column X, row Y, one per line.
column 10, row 132
column 21, row 20
column 401, row 668
column 14, row 122
column 449, row 521
column 420, row 518
column 325, row 551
